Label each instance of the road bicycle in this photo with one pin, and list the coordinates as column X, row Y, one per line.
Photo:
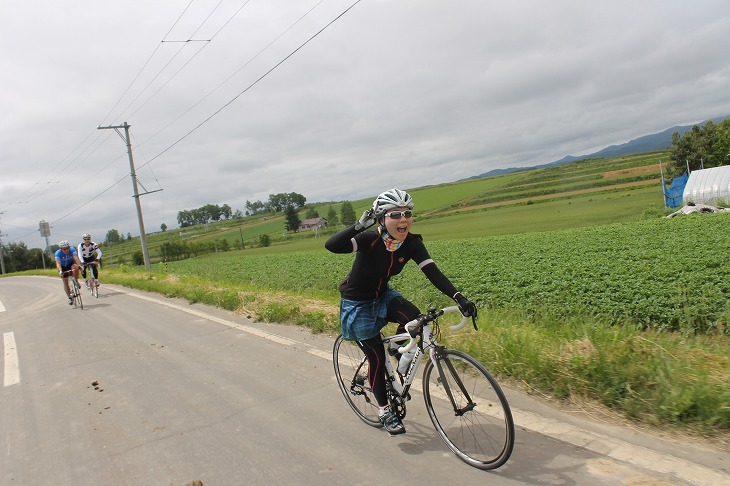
column 465, row 403
column 75, row 288
column 90, row 280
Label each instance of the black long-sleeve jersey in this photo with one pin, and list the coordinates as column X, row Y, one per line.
column 374, row 265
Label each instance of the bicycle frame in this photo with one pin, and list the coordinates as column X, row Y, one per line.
column 73, row 286
column 428, row 341
column 90, row 280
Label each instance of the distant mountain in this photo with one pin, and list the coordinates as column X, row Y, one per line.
column 647, row 143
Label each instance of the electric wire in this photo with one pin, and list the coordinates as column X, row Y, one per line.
column 139, row 73
column 233, row 74
column 174, row 75
column 215, row 113
column 34, row 191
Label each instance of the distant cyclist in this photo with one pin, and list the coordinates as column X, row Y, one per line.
column 66, row 260
column 368, row 302
column 90, row 252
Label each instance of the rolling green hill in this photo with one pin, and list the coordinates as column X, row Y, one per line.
column 576, row 194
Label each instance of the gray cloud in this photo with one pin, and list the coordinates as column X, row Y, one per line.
column 392, row 94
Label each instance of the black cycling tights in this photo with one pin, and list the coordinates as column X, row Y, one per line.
column 401, row 311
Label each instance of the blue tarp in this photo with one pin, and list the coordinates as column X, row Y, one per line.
column 673, row 195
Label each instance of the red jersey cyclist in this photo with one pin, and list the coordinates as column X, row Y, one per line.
column 66, row 260
column 90, row 252
column 368, row 302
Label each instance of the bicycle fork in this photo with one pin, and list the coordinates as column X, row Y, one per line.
column 438, row 360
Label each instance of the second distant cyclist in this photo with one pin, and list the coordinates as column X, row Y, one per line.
column 90, row 252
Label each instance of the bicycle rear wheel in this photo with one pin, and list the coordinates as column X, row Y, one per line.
column 351, row 371
column 468, row 409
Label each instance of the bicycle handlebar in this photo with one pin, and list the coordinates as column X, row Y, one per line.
column 431, row 316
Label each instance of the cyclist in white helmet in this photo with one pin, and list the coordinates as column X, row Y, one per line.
column 67, row 259
column 368, row 302
column 90, row 252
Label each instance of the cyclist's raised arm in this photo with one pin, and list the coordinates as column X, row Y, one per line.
column 344, row 241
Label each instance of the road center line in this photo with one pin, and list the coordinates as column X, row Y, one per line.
column 12, row 371
column 615, row 448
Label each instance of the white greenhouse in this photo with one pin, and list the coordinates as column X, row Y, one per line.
column 708, row 186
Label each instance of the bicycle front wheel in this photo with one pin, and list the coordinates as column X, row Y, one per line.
column 94, row 288
column 351, row 371
column 468, row 409
column 77, row 295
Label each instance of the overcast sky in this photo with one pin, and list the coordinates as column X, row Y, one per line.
column 391, row 94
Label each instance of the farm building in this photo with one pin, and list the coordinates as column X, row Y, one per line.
column 312, row 224
column 708, row 186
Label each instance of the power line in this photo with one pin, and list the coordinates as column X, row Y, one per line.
column 252, row 84
column 219, row 110
column 146, row 63
column 234, row 73
column 179, row 51
column 186, row 62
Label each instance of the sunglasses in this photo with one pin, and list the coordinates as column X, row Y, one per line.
column 400, row 214
column 87, row 239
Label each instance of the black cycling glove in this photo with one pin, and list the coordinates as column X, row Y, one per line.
column 466, row 307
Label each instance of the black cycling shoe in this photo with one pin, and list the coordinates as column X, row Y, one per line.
column 391, row 423
column 70, row 301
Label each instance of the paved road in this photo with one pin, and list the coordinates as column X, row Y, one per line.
column 140, row 389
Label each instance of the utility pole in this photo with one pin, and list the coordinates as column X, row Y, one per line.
column 2, row 260
column 142, row 234
column 45, row 229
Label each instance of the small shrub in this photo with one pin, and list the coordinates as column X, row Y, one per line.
column 138, row 258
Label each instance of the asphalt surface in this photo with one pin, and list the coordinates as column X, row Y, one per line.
column 137, row 389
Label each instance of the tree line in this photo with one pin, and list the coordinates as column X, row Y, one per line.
column 205, row 214
column 18, row 257
column 277, row 203
column 700, row 147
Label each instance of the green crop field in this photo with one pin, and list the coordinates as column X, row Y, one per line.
column 647, row 274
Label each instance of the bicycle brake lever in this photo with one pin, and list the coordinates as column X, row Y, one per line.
column 413, row 331
column 474, row 322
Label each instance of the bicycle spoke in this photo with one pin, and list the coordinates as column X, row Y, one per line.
column 469, row 410
column 351, row 371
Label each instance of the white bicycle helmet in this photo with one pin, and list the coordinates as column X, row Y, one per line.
column 64, row 244
column 86, row 235
column 391, row 199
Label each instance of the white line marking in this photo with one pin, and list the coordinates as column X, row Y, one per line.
column 601, row 444
column 12, row 371
column 2, row 307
